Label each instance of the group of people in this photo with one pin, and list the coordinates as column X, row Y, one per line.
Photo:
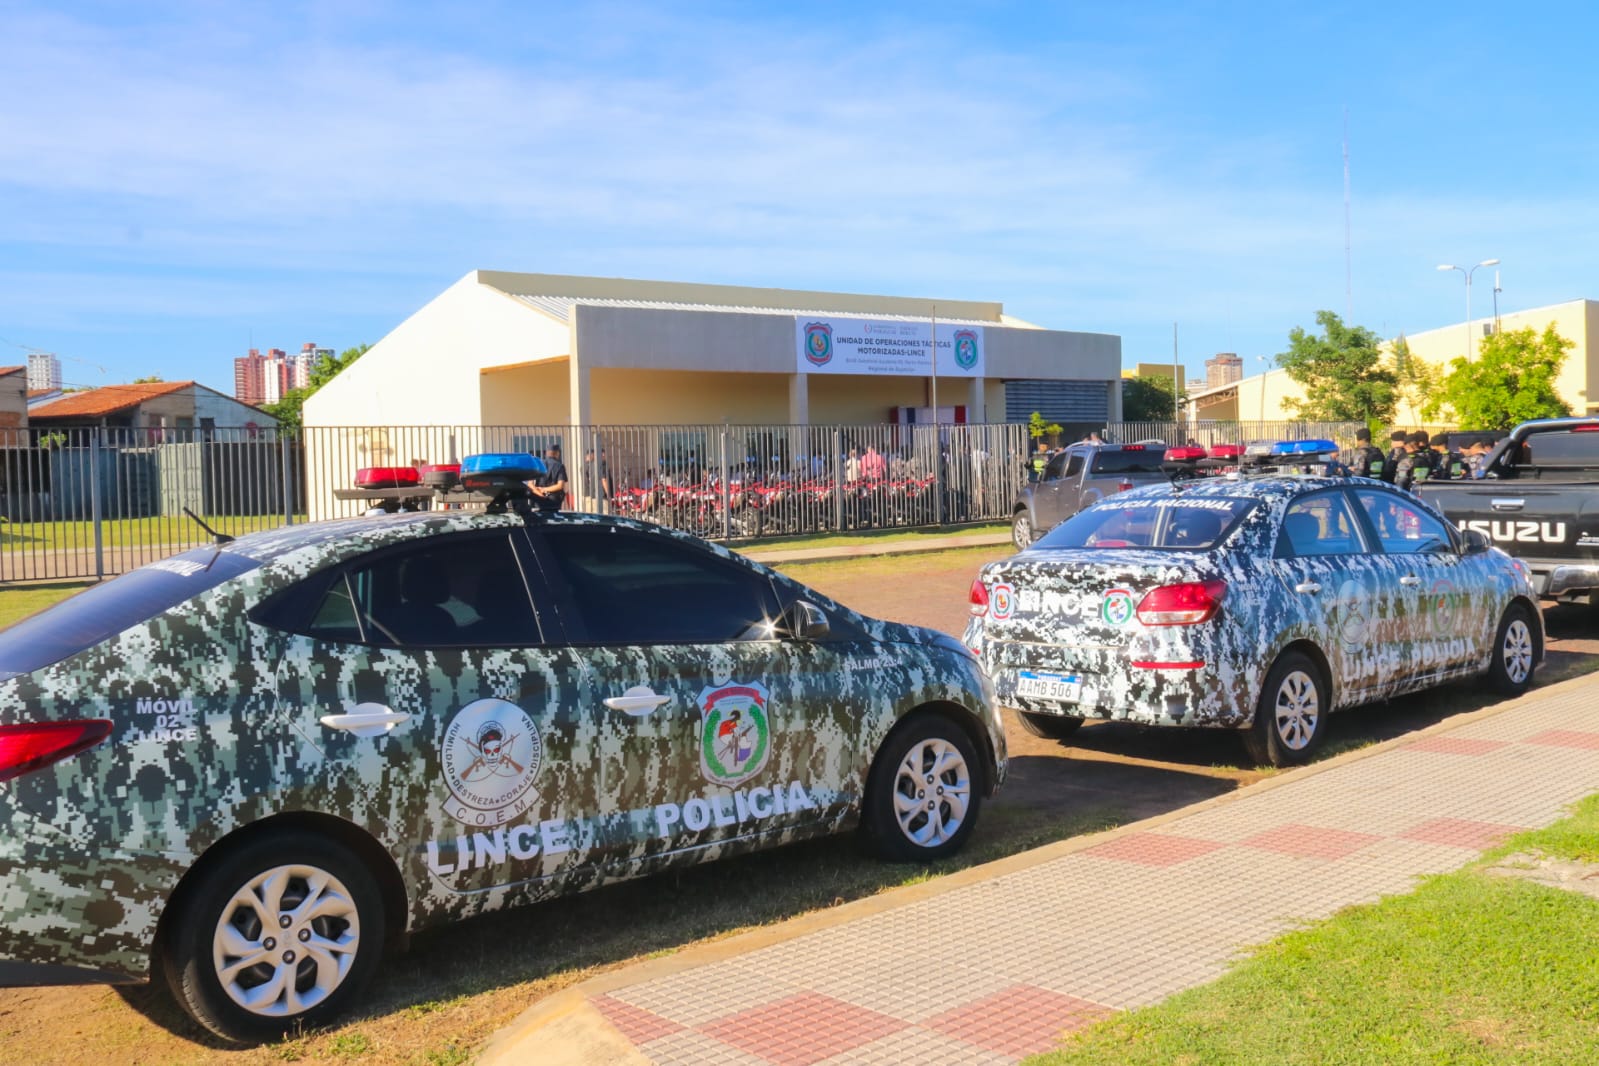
column 1415, row 457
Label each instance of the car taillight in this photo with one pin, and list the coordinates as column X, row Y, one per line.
column 1182, row 605
column 979, row 598
column 29, row 747
column 1124, row 485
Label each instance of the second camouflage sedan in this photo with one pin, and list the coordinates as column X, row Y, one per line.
column 1256, row 603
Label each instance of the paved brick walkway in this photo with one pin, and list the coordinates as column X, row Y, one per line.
column 998, row 966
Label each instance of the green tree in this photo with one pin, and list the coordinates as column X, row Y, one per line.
column 1151, row 399
column 1418, row 383
column 288, row 409
column 1342, row 372
column 1511, row 380
column 151, row 380
column 1038, row 429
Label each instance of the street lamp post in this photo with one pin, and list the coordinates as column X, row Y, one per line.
column 1468, row 274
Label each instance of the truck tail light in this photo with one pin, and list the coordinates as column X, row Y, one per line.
column 1182, row 605
column 979, row 598
column 35, row 745
column 1124, row 485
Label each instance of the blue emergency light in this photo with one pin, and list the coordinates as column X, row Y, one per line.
column 1303, row 447
column 517, row 466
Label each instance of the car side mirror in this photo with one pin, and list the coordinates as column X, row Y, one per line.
column 1477, row 542
column 806, row 621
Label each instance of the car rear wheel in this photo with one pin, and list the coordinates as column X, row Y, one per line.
column 1290, row 720
column 1049, row 726
column 282, row 932
column 1510, row 669
column 1021, row 530
column 924, row 793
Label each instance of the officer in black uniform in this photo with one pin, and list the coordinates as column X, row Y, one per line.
column 1447, row 462
column 1416, row 465
column 1367, row 461
column 1396, row 452
column 549, row 488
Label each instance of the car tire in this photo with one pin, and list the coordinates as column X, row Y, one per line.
column 317, row 964
column 924, row 791
column 1021, row 530
column 1291, row 717
column 1048, row 726
column 1514, row 653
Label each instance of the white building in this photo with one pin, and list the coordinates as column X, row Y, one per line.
column 44, row 371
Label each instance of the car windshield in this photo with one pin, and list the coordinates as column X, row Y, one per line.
column 104, row 610
column 1165, row 523
column 1132, row 459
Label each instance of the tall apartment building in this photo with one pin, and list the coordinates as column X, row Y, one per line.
column 44, row 371
column 259, row 379
column 1224, row 369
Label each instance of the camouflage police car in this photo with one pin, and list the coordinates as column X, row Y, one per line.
column 1252, row 601
column 252, row 767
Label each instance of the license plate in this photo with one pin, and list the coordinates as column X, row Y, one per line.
column 1067, row 688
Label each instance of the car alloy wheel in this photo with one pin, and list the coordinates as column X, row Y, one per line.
column 1021, row 531
column 1510, row 669
column 286, row 940
column 279, row 931
column 1291, row 717
column 923, row 796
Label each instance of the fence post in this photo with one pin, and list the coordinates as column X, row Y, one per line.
column 727, row 509
column 94, row 502
column 939, row 479
column 283, row 485
column 838, row 478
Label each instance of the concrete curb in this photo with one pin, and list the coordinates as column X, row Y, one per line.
column 567, row 1016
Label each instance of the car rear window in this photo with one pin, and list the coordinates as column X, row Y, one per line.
column 1561, row 448
column 1135, row 460
column 104, row 610
column 1169, row 524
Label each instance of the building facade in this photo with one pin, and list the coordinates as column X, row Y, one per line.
column 44, row 371
column 259, row 379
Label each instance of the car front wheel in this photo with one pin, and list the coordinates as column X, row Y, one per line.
column 924, row 792
column 1510, row 669
column 1291, row 718
column 1021, row 530
column 281, row 932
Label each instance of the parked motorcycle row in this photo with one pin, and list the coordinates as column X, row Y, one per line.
column 752, row 506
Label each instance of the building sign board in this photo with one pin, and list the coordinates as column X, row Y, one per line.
column 870, row 346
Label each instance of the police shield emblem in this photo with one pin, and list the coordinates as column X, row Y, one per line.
column 735, row 733
column 818, row 343
column 965, row 349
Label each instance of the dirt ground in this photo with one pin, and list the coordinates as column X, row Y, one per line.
column 440, row 1001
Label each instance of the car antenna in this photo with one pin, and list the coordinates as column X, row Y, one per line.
column 221, row 538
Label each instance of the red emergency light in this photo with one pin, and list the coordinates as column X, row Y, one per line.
column 387, row 477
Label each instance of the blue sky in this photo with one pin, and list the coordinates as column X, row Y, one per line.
column 179, row 182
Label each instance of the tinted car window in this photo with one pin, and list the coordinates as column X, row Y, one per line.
column 1152, row 523
column 1129, row 461
column 1075, row 465
column 1561, row 448
column 1401, row 526
column 1056, row 464
column 105, row 610
column 448, row 591
column 643, row 588
column 1320, row 525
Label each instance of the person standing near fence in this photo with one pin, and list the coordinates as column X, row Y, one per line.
column 873, row 466
column 549, row 488
column 1367, row 460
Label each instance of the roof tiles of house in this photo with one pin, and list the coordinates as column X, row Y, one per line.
column 4, row 370
column 96, row 403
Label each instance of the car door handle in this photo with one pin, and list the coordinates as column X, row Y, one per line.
column 366, row 720
column 640, row 699
column 1311, row 587
column 1410, row 580
column 1507, row 504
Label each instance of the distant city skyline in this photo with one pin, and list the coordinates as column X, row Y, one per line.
column 1106, row 169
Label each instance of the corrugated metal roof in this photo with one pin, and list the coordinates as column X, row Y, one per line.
column 96, row 403
column 560, row 307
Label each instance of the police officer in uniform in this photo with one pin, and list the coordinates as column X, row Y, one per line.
column 1396, row 452
column 549, row 488
column 1416, row 465
column 1367, row 461
column 1447, row 462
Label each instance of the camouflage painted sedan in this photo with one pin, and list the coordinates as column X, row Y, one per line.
column 253, row 767
column 1256, row 603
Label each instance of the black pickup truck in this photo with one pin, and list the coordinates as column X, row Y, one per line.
column 1538, row 499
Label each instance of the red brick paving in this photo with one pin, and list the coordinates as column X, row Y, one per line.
column 1458, row 746
column 1566, row 738
column 1021, row 1020
column 1476, row 836
column 802, row 1029
column 635, row 1023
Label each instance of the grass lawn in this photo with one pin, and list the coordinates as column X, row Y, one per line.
column 19, row 602
column 825, row 540
column 155, row 529
column 1470, row 968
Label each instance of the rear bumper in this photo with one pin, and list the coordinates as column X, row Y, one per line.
column 1162, row 696
column 1556, row 581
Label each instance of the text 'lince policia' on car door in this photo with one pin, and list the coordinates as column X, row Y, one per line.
column 716, row 726
column 444, row 722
